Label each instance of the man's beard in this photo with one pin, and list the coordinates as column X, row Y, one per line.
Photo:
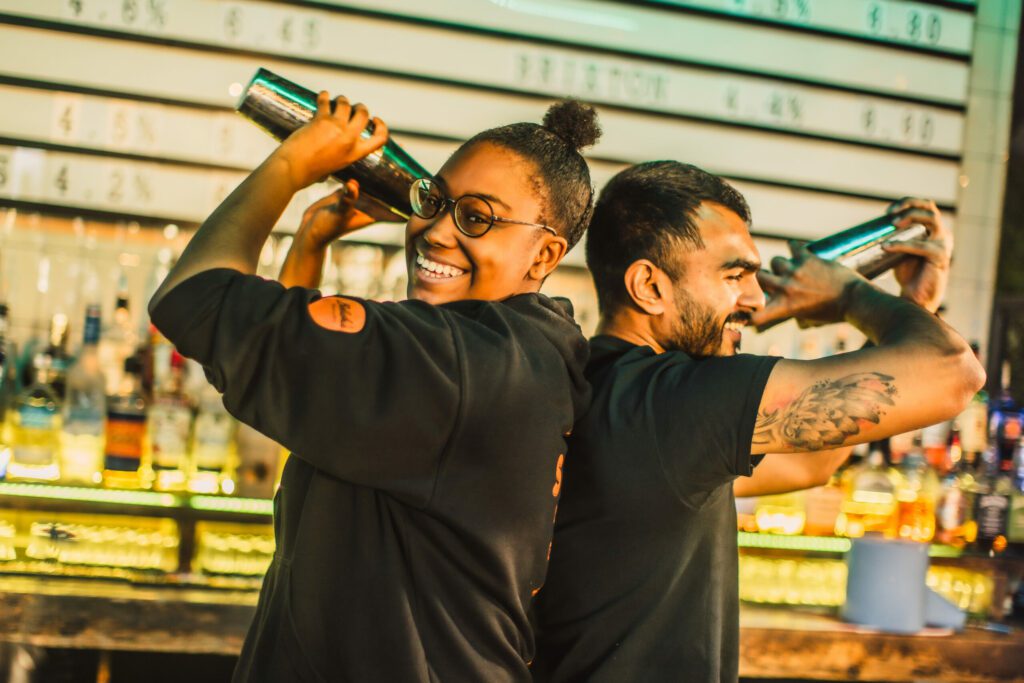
column 698, row 332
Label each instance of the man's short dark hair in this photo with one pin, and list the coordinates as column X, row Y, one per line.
column 647, row 212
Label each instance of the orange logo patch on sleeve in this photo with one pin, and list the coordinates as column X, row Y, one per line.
column 338, row 314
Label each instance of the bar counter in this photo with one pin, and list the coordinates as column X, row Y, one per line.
column 775, row 642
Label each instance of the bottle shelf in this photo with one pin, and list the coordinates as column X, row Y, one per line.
column 153, row 500
column 836, row 545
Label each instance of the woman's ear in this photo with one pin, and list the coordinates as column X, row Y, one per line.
column 647, row 286
column 552, row 250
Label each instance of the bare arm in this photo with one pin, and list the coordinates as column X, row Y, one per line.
column 323, row 222
column 785, row 472
column 922, row 372
column 923, row 279
column 233, row 235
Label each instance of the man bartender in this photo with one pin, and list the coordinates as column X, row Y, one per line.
column 642, row 584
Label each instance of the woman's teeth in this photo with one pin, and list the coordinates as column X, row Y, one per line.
column 435, row 270
column 734, row 326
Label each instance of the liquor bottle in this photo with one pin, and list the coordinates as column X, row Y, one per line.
column 972, row 424
column 257, row 463
column 916, row 496
column 35, row 428
column 119, row 341
column 85, row 409
column 170, row 423
column 823, row 504
column 279, row 106
column 783, row 513
column 213, row 445
column 869, row 499
column 1005, row 422
column 992, row 503
column 954, row 515
column 935, row 442
column 57, row 350
column 1015, row 521
column 126, row 431
column 8, row 372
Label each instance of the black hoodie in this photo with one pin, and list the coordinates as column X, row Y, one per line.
column 414, row 519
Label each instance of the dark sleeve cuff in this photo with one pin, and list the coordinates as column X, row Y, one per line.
column 744, row 465
column 186, row 314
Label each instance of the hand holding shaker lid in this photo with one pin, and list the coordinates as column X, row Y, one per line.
column 280, row 106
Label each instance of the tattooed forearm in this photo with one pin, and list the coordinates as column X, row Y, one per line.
column 827, row 413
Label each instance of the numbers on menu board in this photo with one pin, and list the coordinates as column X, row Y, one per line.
column 129, row 13
column 60, row 180
column 306, row 36
column 233, row 23
column 776, row 106
column 791, row 9
column 917, row 26
column 124, row 185
column 115, row 188
column 290, row 31
column 915, row 127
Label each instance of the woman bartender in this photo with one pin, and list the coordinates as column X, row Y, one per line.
column 414, row 520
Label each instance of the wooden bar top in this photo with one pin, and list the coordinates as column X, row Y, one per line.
column 774, row 643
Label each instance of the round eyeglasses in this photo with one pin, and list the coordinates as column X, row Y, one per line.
column 473, row 214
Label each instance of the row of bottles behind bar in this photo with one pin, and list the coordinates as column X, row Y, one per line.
column 123, row 412
column 959, row 483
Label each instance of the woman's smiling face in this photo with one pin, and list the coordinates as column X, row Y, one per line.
column 445, row 265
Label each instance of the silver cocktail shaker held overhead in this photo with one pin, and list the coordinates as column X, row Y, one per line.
column 279, row 106
column 860, row 247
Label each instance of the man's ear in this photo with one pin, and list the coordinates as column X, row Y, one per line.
column 551, row 253
column 648, row 286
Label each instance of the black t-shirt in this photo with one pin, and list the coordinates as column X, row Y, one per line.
column 414, row 519
column 642, row 582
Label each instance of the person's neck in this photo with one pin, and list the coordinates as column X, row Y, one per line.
column 631, row 327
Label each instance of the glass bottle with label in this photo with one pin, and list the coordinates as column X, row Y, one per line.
column 57, row 350
column 916, row 496
column 783, row 513
column 869, row 499
column 992, row 504
column 257, row 463
column 213, row 445
column 126, row 431
column 35, row 428
column 170, row 424
column 972, row 424
column 1015, row 522
column 8, row 381
column 85, row 410
column 119, row 340
column 954, row 516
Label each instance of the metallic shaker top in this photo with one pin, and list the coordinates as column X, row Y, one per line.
column 279, row 106
column 860, row 247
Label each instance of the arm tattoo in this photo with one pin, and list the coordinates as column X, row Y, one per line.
column 827, row 413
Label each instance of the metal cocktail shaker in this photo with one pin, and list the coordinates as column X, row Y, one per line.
column 860, row 247
column 279, row 106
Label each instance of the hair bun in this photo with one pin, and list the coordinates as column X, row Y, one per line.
column 574, row 122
